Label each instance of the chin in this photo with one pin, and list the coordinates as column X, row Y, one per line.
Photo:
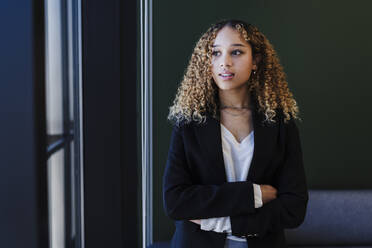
column 229, row 85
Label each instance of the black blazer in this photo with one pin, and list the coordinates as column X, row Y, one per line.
column 195, row 185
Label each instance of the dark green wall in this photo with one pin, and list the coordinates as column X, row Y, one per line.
column 325, row 48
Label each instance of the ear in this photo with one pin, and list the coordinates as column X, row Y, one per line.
column 256, row 60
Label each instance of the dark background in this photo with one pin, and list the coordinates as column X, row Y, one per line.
column 325, row 48
column 23, row 185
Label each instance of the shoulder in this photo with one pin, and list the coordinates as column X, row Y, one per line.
column 291, row 131
column 187, row 124
column 181, row 126
column 287, row 129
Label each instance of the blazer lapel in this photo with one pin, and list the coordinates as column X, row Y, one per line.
column 209, row 137
column 265, row 137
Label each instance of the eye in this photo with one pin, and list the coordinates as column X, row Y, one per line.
column 237, row 52
column 214, row 53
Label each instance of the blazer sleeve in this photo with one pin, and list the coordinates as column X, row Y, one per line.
column 289, row 208
column 184, row 200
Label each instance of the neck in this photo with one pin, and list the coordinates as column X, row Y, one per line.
column 238, row 97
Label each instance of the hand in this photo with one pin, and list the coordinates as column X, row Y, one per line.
column 196, row 221
column 268, row 193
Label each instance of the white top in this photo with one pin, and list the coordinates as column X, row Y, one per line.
column 237, row 158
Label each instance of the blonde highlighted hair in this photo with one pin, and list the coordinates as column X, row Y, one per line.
column 197, row 95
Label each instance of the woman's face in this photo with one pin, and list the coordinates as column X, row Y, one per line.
column 232, row 61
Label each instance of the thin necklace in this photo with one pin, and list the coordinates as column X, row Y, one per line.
column 233, row 107
column 224, row 107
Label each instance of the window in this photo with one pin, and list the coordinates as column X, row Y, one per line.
column 63, row 123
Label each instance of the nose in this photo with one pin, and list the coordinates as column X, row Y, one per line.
column 225, row 61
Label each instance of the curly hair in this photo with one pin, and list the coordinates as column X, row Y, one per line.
column 197, row 95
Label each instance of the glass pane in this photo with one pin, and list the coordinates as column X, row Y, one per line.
column 56, row 199
column 74, row 189
column 54, row 68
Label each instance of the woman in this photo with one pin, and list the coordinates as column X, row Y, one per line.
column 234, row 175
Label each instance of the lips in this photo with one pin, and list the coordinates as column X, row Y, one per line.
column 226, row 72
column 226, row 75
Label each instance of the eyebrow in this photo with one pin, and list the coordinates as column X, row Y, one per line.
column 237, row 44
